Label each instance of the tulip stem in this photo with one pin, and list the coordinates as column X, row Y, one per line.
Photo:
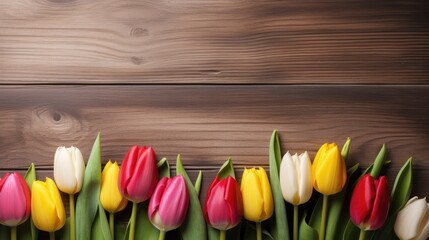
column 295, row 222
column 112, row 224
column 52, row 236
column 323, row 220
column 13, row 233
column 258, row 231
column 133, row 221
column 161, row 235
column 72, row 219
column 222, row 235
column 362, row 234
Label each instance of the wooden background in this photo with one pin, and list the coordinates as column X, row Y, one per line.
column 213, row 79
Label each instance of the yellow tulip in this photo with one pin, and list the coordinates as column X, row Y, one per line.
column 257, row 196
column 329, row 170
column 47, row 209
column 110, row 197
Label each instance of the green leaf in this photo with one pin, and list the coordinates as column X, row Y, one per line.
column 379, row 162
column 64, row 232
column 306, row 232
column 120, row 229
column 88, row 198
column 145, row 229
column 194, row 226
column 198, row 182
column 226, row 170
column 346, row 149
column 163, row 168
column 100, row 226
column 400, row 194
column 27, row 230
column 351, row 231
column 279, row 224
column 337, row 205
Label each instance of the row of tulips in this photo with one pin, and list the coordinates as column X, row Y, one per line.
column 227, row 201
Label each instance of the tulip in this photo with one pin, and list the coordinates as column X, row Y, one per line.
column 329, row 170
column 329, row 175
column 223, row 208
column 257, row 197
column 169, row 204
column 110, row 197
column 412, row 222
column 138, row 177
column 47, row 209
column 370, row 202
column 296, row 182
column 69, row 169
column 14, row 201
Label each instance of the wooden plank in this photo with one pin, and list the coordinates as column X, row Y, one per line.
column 282, row 42
column 208, row 124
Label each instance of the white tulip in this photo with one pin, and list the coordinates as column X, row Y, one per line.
column 295, row 178
column 412, row 222
column 69, row 168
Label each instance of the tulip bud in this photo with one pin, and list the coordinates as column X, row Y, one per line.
column 223, row 208
column 138, row 175
column 370, row 202
column 110, row 197
column 169, row 203
column 295, row 178
column 47, row 209
column 329, row 170
column 69, row 169
column 14, row 200
column 412, row 222
column 257, row 196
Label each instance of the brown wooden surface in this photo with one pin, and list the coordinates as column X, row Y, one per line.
column 161, row 42
column 208, row 124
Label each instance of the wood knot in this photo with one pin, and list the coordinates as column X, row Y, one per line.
column 137, row 60
column 139, row 32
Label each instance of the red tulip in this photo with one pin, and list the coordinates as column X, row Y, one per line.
column 224, row 204
column 138, row 175
column 169, row 204
column 370, row 202
column 15, row 204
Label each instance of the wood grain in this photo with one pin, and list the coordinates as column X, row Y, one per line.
column 208, row 124
column 212, row 42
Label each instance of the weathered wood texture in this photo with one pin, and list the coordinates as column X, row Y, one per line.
column 207, row 124
column 282, row 42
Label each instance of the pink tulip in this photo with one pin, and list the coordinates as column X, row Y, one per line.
column 15, row 204
column 169, row 204
column 138, row 175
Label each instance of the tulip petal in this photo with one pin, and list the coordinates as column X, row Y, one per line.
column 174, row 203
column 362, row 201
column 43, row 209
column 79, row 164
column 304, row 178
column 289, row 180
column 266, row 194
column 127, row 168
column 329, row 170
column 410, row 220
column 110, row 197
column 14, row 200
column 64, row 171
column 381, row 204
column 253, row 202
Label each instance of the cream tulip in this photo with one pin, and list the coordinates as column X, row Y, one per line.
column 412, row 222
column 69, row 169
column 295, row 178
